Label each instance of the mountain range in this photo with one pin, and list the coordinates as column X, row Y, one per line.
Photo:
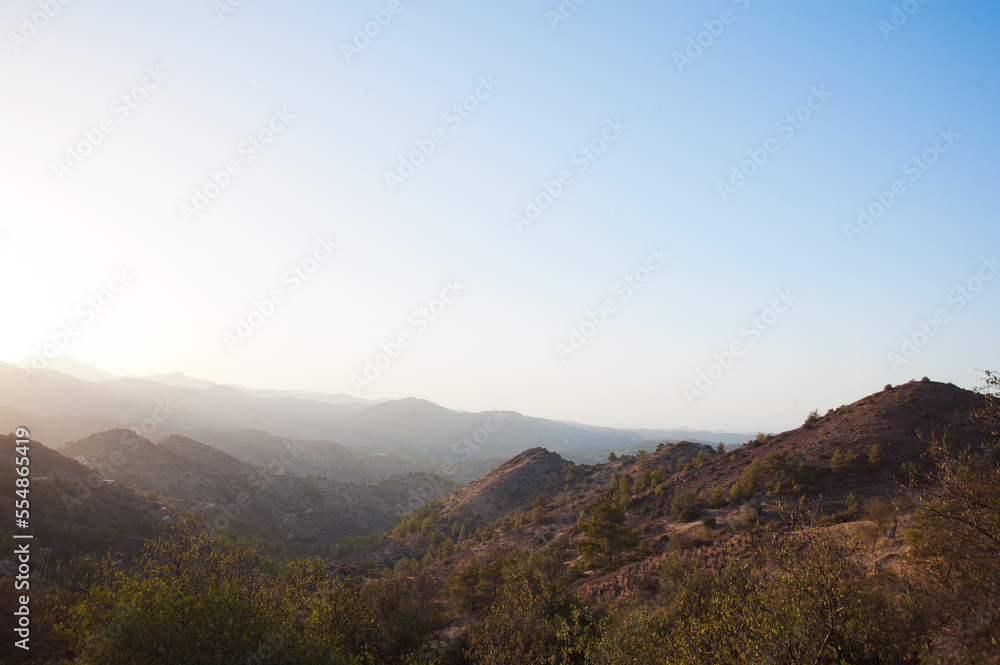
column 73, row 406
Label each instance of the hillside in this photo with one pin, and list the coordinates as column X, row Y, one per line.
column 73, row 510
column 304, row 513
column 326, row 458
column 497, row 512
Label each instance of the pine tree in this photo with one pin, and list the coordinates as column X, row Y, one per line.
column 605, row 532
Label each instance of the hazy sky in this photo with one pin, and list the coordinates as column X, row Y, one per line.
column 476, row 181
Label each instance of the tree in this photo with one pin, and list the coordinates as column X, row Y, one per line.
column 463, row 587
column 606, row 536
column 843, row 460
column 686, row 505
column 955, row 540
column 876, row 457
column 717, row 499
column 526, row 623
column 612, row 456
column 539, row 507
column 642, row 458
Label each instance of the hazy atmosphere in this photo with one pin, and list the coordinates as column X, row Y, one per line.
column 719, row 215
column 500, row 333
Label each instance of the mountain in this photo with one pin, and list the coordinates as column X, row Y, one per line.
column 68, row 366
column 73, row 510
column 412, row 427
column 416, row 425
column 326, row 458
column 55, row 431
column 335, row 398
column 865, row 450
column 306, row 514
column 72, row 367
column 174, row 379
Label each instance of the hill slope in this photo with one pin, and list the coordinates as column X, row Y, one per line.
column 496, row 513
column 303, row 513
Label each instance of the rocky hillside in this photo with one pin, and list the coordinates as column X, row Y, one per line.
column 834, row 462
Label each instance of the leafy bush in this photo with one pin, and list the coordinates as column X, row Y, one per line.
column 686, row 505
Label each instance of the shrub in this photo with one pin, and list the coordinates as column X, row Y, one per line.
column 876, row 457
column 811, row 419
column 612, row 456
column 686, row 505
column 717, row 499
column 843, row 460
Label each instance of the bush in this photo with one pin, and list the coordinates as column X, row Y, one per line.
column 686, row 505
column 843, row 460
column 717, row 499
column 876, row 457
column 811, row 419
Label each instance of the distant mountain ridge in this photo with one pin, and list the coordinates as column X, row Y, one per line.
column 413, row 427
column 263, row 501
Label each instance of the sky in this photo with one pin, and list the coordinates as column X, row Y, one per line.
column 718, row 214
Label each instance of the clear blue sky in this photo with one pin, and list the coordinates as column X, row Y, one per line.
column 679, row 128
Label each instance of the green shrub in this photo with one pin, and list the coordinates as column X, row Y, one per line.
column 686, row 505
